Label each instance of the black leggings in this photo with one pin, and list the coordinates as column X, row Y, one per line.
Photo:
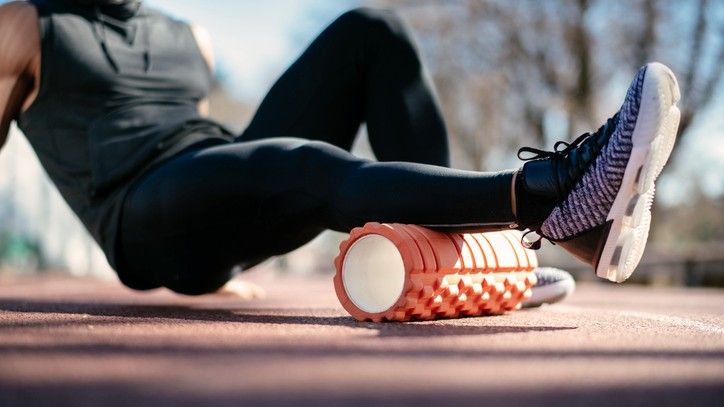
column 289, row 176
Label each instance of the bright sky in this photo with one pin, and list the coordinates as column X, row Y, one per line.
column 254, row 40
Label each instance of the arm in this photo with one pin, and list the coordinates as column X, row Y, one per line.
column 19, row 60
column 203, row 40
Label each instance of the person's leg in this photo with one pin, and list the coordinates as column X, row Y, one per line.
column 362, row 68
column 190, row 220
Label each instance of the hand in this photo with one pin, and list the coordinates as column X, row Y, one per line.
column 241, row 289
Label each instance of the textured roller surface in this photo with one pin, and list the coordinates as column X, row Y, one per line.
column 447, row 275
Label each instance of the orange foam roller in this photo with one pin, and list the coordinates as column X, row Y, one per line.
column 399, row 272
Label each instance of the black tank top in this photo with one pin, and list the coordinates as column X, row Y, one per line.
column 118, row 92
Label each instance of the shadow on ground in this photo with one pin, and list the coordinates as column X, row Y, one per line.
column 125, row 313
column 108, row 394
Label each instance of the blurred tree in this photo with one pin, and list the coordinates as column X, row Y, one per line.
column 511, row 73
column 697, row 220
column 20, row 252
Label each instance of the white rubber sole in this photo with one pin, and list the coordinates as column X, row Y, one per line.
column 653, row 139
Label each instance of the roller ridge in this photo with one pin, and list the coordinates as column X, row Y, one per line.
column 448, row 275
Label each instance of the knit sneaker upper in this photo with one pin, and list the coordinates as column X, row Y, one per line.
column 588, row 203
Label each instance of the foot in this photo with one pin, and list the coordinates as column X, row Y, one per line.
column 604, row 217
column 553, row 285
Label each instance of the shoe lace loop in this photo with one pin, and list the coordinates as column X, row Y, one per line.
column 559, row 152
column 531, row 244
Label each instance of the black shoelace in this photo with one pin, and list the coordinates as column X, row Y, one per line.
column 539, row 153
column 606, row 130
column 588, row 145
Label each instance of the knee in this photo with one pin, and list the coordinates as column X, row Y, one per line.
column 318, row 157
column 371, row 18
column 377, row 24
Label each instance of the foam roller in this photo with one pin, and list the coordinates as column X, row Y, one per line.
column 399, row 272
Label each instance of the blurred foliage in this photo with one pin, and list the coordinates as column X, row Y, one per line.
column 527, row 72
column 700, row 219
column 20, row 252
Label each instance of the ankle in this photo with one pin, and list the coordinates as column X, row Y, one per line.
column 531, row 209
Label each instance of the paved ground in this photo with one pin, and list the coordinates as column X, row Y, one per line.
column 81, row 342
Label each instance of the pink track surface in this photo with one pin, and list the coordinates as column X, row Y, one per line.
column 81, row 342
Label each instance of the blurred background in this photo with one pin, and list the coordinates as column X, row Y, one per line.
column 508, row 74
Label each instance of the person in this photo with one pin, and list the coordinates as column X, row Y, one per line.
column 112, row 97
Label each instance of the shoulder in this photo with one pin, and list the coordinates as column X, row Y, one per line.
column 200, row 34
column 203, row 39
column 19, row 34
column 14, row 14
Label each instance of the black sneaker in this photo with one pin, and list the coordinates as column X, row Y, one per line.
column 604, row 218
